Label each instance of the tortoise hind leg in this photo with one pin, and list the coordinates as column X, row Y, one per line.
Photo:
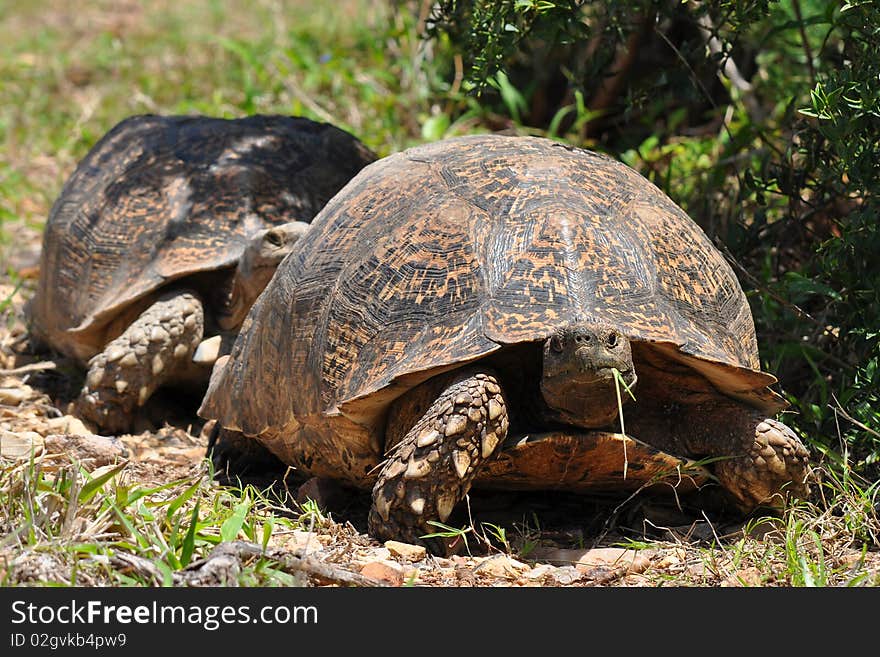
column 147, row 354
column 774, row 466
column 431, row 469
column 756, row 460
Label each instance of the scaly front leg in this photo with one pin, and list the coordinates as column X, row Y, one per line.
column 431, row 469
column 147, row 354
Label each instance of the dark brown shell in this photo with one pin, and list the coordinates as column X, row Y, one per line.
column 162, row 197
column 444, row 253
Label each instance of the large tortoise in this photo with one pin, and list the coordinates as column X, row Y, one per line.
column 165, row 233
column 456, row 314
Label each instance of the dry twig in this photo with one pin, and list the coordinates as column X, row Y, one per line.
column 290, row 562
column 42, row 366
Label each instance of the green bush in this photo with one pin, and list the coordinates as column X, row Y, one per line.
column 761, row 119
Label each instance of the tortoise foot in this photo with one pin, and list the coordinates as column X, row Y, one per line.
column 124, row 376
column 431, row 469
column 774, row 468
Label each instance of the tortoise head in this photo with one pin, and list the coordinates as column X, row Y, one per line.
column 261, row 256
column 578, row 373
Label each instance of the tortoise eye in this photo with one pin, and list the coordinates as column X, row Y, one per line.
column 612, row 340
column 556, row 344
column 274, row 238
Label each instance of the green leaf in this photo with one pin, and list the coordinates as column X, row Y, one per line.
column 189, row 540
column 511, row 96
column 561, row 113
column 435, row 127
column 130, row 497
column 132, row 530
column 799, row 284
column 232, row 525
column 146, row 513
column 181, row 499
column 167, row 574
column 95, row 484
column 268, row 527
column 6, row 302
column 448, row 530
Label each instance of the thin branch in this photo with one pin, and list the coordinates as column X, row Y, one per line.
column 690, row 69
column 610, row 87
column 800, row 312
column 290, row 563
column 729, row 68
column 796, row 5
column 846, row 416
column 127, row 563
column 42, row 366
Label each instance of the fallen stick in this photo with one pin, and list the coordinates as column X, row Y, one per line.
column 291, row 563
column 131, row 563
column 30, row 367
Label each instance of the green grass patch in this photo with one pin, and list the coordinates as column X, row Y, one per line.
column 66, row 526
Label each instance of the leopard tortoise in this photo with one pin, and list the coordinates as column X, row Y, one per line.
column 164, row 235
column 467, row 312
